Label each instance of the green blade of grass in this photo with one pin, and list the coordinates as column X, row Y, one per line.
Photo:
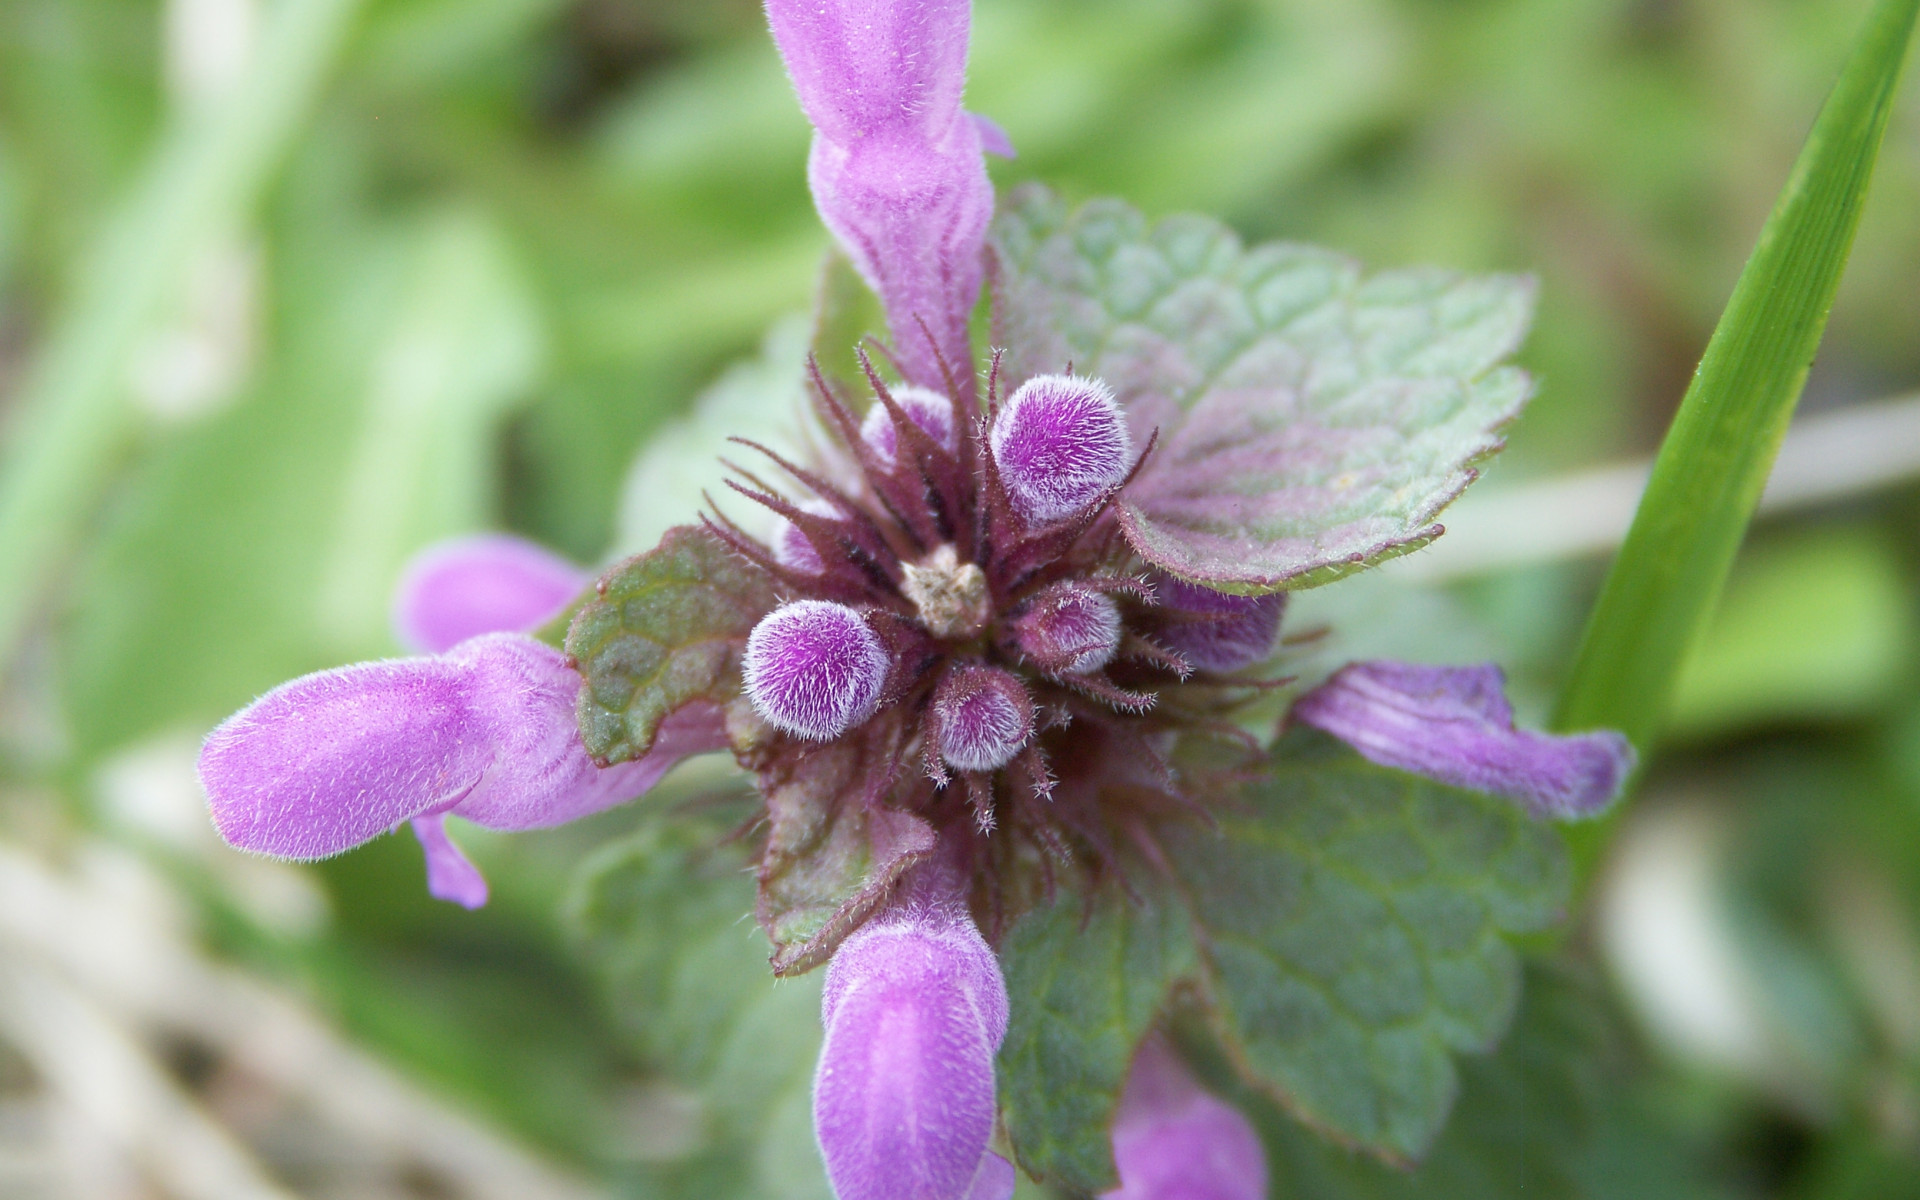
column 1714, row 462
column 73, row 414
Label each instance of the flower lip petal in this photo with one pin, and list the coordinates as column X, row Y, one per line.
column 324, row 762
column 490, row 583
column 451, row 875
column 1454, row 724
column 541, row 774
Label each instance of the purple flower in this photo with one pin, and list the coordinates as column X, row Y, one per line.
column 1060, row 444
column 896, row 168
column 903, row 1101
column 814, row 669
column 1215, row 631
column 1174, row 1141
column 1454, row 724
column 487, row 584
column 485, row 731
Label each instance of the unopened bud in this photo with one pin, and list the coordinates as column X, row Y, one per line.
column 903, row 1101
column 792, row 548
column 1068, row 630
column 982, row 716
column 1060, row 444
column 931, row 411
column 1215, row 631
column 814, row 669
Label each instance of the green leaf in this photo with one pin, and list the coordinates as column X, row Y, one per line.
column 659, row 915
column 665, row 629
column 1085, row 987
column 1353, row 925
column 1312, row 421
column 1345, row 930
column 1553, row 1112
column 1716, row 457
column 832, row 855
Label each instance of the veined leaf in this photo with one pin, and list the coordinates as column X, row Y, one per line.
column 1345, row 931
column 1716, row 457
column 1312, row 420
column 665, row 629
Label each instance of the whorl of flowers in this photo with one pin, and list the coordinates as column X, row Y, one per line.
column 970, row 638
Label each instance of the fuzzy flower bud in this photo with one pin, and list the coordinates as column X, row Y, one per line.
column 931, row 411
column 1174, row 1141
column 792, row 548
column 814, row 669
column 1059, row 444
column 1068, row 630
column 982, row 717
column 903, row 1101
column 1215, row 631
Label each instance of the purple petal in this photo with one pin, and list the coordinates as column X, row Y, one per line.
column 488, row 584
column 325, row 762
column 904, row 1097
column 994, row 1180
column 1068, row 629
column 981, row 716
column 541, row 774
column 928, row 409
column 993, row 139
column 864, row 68
column 451, row 875
column 1174, row 1141
column 486, row 732
column 1216, row 631
column 1454, row 724
column 912, row 215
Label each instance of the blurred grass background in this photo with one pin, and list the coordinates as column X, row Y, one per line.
column 331, row 279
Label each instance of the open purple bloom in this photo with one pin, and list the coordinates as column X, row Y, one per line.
column 1454, row 724
column 485, row 732
column 896, row 168
column 1174, row 1141
column 491, row 583
column 903, row 1101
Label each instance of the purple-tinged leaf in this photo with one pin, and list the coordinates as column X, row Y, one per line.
column 667, row 629
column 832, row 854
column 1312, row 420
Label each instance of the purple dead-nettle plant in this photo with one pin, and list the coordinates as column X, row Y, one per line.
column 997, row 675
